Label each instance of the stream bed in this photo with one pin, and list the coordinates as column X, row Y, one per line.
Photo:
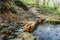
column 44, row 31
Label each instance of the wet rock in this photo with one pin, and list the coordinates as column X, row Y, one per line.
column 17, row 39
column 1, row 37
column 4, row 25
column 10, row 37
column 3, row 30
column 5, row 38
column 21, row 4
column 30, row 26
column 39, row 20
column 27, row 36
column 13, row 10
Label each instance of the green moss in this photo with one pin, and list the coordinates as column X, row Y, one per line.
column 50, row 9
column 52, row 20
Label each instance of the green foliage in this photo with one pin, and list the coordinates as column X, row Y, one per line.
column 44, row 7
column 29, row 1
column 50, row 9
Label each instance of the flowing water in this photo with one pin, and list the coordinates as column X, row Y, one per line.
column 47, row 32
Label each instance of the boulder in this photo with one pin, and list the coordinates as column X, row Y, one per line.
column 30, row 26
column 39, row 20
column 26, row 36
